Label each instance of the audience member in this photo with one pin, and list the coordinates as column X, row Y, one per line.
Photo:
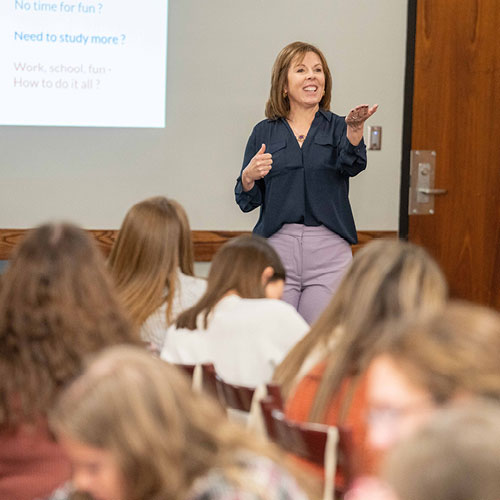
column 425, row 363
column 56, row 306
column 152, row 265
column 133, row 429
column 234, row 325
column 388, row 278
column 455, row 456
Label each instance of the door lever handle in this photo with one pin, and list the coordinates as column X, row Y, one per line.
column 432, row 191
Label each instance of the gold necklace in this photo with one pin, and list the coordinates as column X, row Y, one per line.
column 300, row 137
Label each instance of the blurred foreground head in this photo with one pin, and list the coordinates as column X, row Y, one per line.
column 456, row 456
column 149, row 434
column 57, row 305
column 426, row 362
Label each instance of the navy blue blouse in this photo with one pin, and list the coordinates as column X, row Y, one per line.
column 308, row 185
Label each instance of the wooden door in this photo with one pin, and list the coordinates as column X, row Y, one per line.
column 456, row 112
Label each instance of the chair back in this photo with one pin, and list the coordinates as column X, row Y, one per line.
column 274, row 390
column 187, row 369
column 242, row 403
column 209, row 380
column 324, row 445
column 236, row 397
column 202, row 376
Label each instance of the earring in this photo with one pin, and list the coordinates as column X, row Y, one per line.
column 285, row 94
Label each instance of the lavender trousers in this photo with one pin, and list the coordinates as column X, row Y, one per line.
column 315, row 260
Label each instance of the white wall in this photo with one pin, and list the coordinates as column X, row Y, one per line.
column 220, row 54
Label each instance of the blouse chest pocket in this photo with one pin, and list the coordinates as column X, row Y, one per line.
column 325, row 151
column 275, row 147
column 279, row 156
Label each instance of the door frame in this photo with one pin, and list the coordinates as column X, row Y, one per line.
column 411, row 31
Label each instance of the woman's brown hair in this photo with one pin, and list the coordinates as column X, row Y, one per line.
column 238, row 266
column 278, row 104
column 57, row 305
column 154, row 241
column 387, row 279
column 162, row 435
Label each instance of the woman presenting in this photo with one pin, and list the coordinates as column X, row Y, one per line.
column 296, row 168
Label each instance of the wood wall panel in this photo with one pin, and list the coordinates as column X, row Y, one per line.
column 206, row 243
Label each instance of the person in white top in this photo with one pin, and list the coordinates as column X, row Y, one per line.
column 152, row 266
column 238, row 324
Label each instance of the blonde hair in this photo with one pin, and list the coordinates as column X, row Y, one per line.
column 57, row 305
column 387, row 279
column 451, row 353
column 163, row 435
column 455, row 456
column 238, row 265
column 278, row 105
column 154, row 241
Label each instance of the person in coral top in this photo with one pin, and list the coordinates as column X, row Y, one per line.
column 323, row 376
column 347, row 408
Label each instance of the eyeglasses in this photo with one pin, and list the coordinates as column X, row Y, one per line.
column 391, row 415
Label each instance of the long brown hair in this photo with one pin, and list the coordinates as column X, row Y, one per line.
column 56, row 306
column 162, row 435
column 454, row 352
column 154, row 241
column 278, row 105
column 387, row 278
column 238, row 265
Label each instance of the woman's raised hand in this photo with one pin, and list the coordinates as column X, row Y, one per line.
column 258, row 168
column 359, row 115
column 355, row 121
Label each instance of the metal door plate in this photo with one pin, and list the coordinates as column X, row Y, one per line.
column 422, row 171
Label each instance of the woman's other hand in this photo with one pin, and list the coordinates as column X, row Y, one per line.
column 355, row 121
column 258, row 168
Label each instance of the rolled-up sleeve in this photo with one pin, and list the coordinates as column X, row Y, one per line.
column 352, row 159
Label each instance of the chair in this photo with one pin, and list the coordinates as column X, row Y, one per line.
column 236, row 397
column 202, row 376
column 324, row 445
column 237, row 400
column 187, row 369
column 240, row 397
column 274, row 390
column 242, row 403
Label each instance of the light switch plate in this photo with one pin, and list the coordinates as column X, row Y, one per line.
column 374, row 137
